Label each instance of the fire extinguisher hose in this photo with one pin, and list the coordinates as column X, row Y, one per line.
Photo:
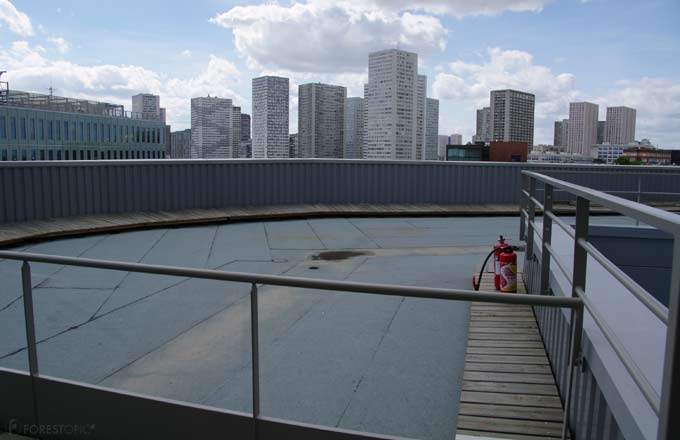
column 481, row 271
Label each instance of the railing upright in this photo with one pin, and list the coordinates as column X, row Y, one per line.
column 255, row 351
column 578, row 284
column 30, row 333
column 669, row 422
column 523, row 206
column 532, row 215
column 547, row 239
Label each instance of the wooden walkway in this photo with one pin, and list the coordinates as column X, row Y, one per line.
column 14, row 233
column 509, row 391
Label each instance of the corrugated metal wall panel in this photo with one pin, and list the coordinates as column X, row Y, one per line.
column 38, row 190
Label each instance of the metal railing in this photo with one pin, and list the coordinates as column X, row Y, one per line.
column 574, row 304
column 668, row 402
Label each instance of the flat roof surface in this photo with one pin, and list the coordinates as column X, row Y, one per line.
column 388, row 365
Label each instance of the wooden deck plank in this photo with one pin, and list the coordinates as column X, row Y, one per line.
column 485, row 376
column 511, row 412
column 506, row 436
column 504, row 344
column 507, row 368
column 514, row 351
column 511, row 399
column 506, row 336
column 512, row 426
column 507, row 359
column 510, row 388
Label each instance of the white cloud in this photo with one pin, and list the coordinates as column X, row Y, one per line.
column 29, row 69
column 17, row 21
column 60, row 44
column 469, row 84
column 466, row 85
column 657, row 102
column 186, row 53
column 461, row 8
column 326, row 36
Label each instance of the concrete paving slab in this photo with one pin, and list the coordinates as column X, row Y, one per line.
column 131, row 246
column 294, row 234
column 341, row 234
column 239, row 241
column 55, row 310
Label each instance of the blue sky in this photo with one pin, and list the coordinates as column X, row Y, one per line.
column 611, row 52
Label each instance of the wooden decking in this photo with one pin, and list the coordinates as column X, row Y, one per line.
column 14, row 233
column 508, row 391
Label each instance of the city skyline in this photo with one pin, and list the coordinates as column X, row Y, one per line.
column 211, row 54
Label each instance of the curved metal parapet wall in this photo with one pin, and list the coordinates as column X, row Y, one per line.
column 42, row 190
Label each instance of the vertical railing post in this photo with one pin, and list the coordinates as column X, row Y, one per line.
column 255, row 351
column 669, row 422
column 30, row 322
column 639, row 196
column 31, row 345
column 580, row 254
column 523, row 205
column 579, row 283
column 547, row 237
column 574, row 361
column 532, row 214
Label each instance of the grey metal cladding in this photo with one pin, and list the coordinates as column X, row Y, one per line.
column 40, row 190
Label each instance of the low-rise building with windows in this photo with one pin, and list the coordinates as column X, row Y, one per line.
column 46, row 127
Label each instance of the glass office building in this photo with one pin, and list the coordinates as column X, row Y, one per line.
column 43, row 127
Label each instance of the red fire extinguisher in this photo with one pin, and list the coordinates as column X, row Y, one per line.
column 497, row 250
column 508, row 270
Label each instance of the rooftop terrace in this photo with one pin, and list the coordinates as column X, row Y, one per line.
column 389, row 362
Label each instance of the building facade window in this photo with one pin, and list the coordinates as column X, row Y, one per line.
column 50, row 134
column 58, row 130
column 32, row 128
column 22, row 126
column 13, row 128
column 3, row 131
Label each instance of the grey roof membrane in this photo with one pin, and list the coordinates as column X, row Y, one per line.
column 388, row 365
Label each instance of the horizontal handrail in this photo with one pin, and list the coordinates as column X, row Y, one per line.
column 306, row 283
column 561, row 223
column 636, row 373
column 663, row 220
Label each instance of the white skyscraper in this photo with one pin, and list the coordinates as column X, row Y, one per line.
column 431, row 151
column 354, row 128
column 620, row 125
column 512, row 116
column 582, row 127
column 270, row 117
column 391, row 97
column 456, row 139
column 421, row 94
column 215, row 131
column 147, row 106
column 483, row 132
column 321, row 120
column 442, row 142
